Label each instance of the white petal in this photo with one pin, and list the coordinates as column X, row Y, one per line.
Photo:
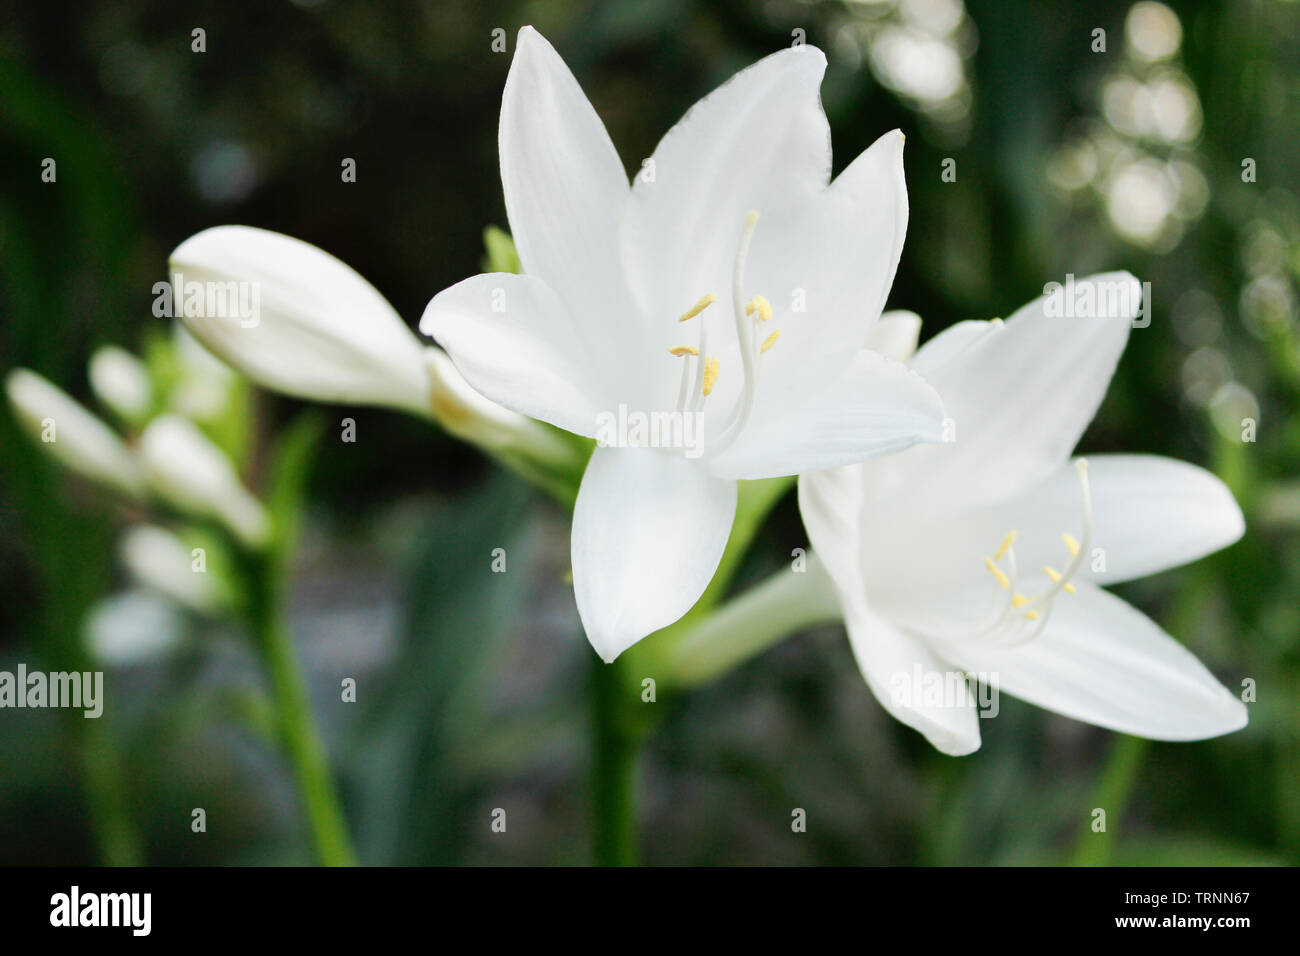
column 831, row 503
column 1103, row 662
column 903, row 674
column 194, row 475
column 759, row 141
column 1019, row 396
column 565, row 193
column 828, row 272
column 1149, row 514
column 314, row 328
column 516, row 344
column 878, row 406
column 895, row 335
column 648, row 532
column 71, row 434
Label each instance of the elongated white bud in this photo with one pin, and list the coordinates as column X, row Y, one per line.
column 121, row 382
column 295, row 319
column 71, row 434
column 159, row 560
column 195, row 476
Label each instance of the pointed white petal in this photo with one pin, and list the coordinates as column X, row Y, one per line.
column 566, row 192
column 1020, row 396
column 71, row 434
column 876, row 407
column 828, row 271
column 297, row 320
column 913, row 684
column 1103, row 662
column 648, row 532
column 516, row 344
column 759, row 141
column 831, row 504
column 1149, row 514
column 895, row 335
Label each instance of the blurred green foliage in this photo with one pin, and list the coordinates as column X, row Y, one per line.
column 471, row 683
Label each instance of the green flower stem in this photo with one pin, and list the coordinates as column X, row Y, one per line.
column 614, row 776
column 786, row 603
column 266, row 575
column 101, row 768
column 297, row 728
column 1118, row 777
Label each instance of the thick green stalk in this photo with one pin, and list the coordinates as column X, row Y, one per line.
column 1118, row 777
column 266, row 573
column 115, row 832
column 301, row 739
column 614, row 776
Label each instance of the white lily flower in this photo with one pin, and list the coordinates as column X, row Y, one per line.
column 157, row 559
column 73, row 435
column 988, row 556
column 320, row 331
column 197, row 477
column 735, row 205
column 121, row 381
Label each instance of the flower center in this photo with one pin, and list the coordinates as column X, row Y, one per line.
column 700, row 370
column 1022, row 618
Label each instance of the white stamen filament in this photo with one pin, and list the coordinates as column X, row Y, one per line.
column 693, row 390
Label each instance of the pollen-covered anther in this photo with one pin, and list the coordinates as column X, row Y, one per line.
column 997, row 572
column 1055, row 575
column 760, row 305
column 684, row 350
column 698, row 307
column 1072, row 543
column 770, row 341
column 1007, row 542
column 710, row 375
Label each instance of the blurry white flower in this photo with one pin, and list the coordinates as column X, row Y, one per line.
column 131, row 628
column 158, row 559
column 591, row 331
column 70, row 433
column 195, row 476
column 121, row 382
column 988, row 555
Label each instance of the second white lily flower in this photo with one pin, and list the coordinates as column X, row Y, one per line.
column 987, row 556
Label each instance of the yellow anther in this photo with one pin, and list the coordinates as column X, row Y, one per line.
column 997, row 572
column 698, row 307
column 710, row 375
column 1019, row 600
column 685, row 350
column 1007, row 542
column 770, row 341
column 761, row 305
column 1032, row 615
column 996, row 322
column 1055, row 575
column 1072, row 543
